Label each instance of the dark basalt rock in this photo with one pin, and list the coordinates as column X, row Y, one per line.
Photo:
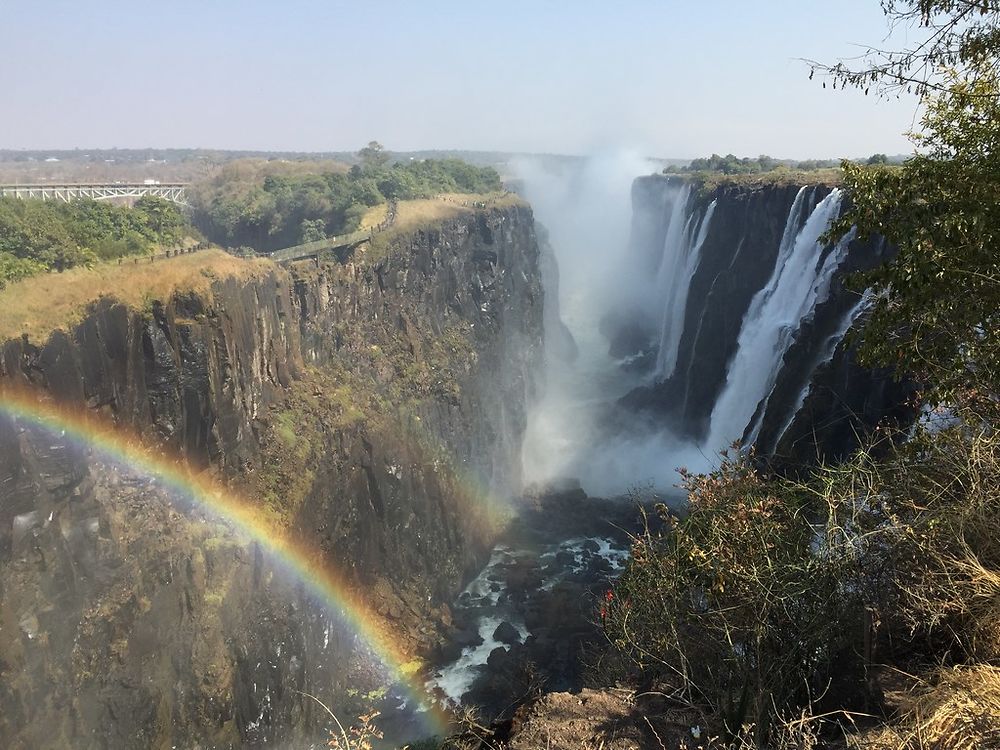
column 499, row 659
column 129, row 622
column 736, row 260
column 506, row 633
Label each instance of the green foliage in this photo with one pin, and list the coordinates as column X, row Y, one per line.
column 242, row 206
column 42, row 235
column 731, row 164
column 13, row 268
column 734, row 165
column 373, row 156
column 312, row 230
column 939, row 302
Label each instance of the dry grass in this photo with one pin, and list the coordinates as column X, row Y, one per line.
column 374, row 216
column 422, row 210
column 415, row 213
column 959, row 710
column 426, row 213
column 41, row 304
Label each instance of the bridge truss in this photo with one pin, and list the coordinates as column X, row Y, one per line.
column 171, row 191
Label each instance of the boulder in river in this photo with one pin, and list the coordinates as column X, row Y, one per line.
column 506, row 633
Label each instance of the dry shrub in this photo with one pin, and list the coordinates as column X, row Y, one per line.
column 756, row 601
column 802, row 733
column 772, row 596
column 962, row 711
column 950, row 484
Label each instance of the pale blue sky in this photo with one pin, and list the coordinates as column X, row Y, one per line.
column 672, row 78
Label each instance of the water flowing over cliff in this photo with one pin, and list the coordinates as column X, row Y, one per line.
column 719, row 316
column 585, row 212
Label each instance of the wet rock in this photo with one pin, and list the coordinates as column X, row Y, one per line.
column 463, row 638
column 498, row 659
column 447, row 652
column 591, row 546
column 599, row 565
column 506, row 633
column 565, row 558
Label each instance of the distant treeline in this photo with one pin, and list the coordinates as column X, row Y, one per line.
column 731, row 164
column 268, row 205
column 37, row 236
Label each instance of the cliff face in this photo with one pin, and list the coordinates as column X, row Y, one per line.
column 735, row 262
column 375, row 407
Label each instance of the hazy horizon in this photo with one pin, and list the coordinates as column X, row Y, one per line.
column 670, row 82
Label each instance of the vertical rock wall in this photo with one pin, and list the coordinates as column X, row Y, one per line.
column 737, row 258
column 375, row 407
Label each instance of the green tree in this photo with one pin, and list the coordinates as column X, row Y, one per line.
column 373, row 156
column 312, row 230
column 13, row 268
column 938, row 305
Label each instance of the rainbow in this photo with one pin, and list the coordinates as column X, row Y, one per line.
column 305, row 565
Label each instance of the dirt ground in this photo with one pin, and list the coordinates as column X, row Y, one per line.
column 611, row 719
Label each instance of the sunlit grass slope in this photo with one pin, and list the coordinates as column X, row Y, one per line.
column 41, row 304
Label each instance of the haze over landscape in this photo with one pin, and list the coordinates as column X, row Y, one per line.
column 670, row 79
column 463, row 376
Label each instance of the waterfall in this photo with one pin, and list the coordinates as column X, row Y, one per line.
column 825, row 355
column 801, row 279
column 695, row 277
column 681, row 257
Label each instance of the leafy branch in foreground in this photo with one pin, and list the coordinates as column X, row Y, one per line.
column 961, row 35
column 939, row 302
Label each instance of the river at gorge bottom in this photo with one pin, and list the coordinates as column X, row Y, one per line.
column 529, row 621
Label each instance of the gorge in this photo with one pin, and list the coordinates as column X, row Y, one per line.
column 388, row 412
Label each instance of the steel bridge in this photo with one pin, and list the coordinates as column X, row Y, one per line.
column 98, row 191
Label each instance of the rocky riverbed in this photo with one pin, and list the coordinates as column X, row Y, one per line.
column 527, row 622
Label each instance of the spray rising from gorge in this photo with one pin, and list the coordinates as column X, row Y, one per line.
column 699, row 319
column 587, row 211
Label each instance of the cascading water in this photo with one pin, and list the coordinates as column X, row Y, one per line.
column 586, row 210
column 701, row 310
column 825, row 355
column 801, row 279
column 681, row 256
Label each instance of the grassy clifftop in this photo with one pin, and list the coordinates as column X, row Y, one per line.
column 38, row 305
column 778, row 177
column 425, row 213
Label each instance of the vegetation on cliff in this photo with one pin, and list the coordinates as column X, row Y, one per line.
column 941, row 295
column 37, row 236
column 862, row 600
column 38, row 305
column 269, row 205
column 711, row 172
